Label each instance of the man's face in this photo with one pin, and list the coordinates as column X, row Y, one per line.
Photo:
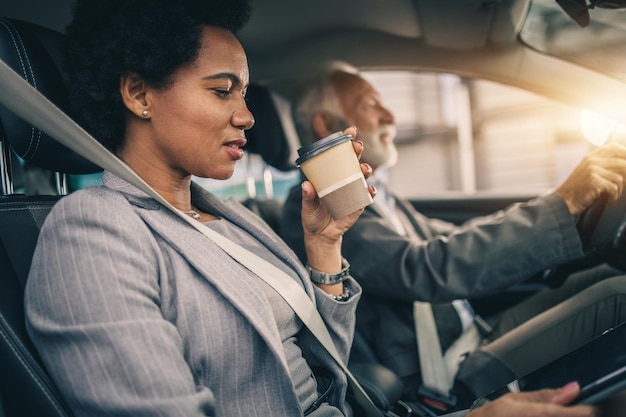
column 362, row 106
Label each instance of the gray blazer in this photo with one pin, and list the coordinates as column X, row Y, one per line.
column 136, row 313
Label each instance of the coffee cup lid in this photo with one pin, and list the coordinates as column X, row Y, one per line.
column 317, row 147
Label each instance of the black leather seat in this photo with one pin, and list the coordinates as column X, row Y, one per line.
column 33, row 52
column 273, row 135
column 274, row 139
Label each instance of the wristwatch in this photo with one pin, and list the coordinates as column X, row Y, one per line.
column 324, row 278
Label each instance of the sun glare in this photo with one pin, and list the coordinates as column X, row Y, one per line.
column 595, row 127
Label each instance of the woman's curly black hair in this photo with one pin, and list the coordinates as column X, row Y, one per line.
column 151, row 38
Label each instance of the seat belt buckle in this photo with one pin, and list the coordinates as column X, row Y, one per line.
column 435, row 401
column 483, row 327
column 400, row 409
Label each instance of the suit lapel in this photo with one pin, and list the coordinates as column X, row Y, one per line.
column 412, row 221
column 221, row 270
column 416, row 220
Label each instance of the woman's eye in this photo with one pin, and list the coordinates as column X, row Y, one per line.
column 222, row 93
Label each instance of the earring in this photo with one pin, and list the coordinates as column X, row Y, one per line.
column 145, row 113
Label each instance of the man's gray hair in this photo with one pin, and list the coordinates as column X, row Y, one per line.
column 317, row 94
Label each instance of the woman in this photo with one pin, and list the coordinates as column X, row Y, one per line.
column 133, row 311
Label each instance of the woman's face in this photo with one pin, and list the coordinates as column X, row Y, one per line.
column 197, row 123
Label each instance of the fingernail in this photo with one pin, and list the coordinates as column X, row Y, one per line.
column 367, row 166
column 373, row 188
column 570, row 386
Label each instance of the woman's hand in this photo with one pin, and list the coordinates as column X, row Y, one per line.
column 543, row 403
column 322, row 234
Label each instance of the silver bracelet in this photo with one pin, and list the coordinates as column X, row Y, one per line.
column 324, row 278
column 342, row 297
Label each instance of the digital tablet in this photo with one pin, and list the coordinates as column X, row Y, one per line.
column 599, row 367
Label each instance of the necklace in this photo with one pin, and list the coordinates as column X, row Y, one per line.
column 193, row 214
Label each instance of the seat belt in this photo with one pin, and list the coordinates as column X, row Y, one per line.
column 434, row 371
column 43, row 114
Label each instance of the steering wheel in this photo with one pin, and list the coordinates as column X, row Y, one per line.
column 602, row 230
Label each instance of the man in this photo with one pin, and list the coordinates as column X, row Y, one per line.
column 400, row 256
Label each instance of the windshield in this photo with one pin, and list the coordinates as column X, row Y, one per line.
column 600, row 46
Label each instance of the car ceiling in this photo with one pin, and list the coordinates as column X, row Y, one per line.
column 475, row 38
column 296, row 34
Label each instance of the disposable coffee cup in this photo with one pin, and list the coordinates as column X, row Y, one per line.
column 333, row 168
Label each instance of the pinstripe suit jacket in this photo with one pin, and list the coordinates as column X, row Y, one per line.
column 136, row 313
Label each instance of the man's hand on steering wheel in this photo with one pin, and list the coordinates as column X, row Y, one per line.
column 601, row 172
column 594, row 195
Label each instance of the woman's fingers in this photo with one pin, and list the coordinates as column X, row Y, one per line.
column 566, row 394
column 366, row 169
column 541, row 403
column 350, row 131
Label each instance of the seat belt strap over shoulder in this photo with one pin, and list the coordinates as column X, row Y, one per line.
column 43, row 114
column 433, row 368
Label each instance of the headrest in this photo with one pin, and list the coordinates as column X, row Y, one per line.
column 35, row 53
column 273, row 135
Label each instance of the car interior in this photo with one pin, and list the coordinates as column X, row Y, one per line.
column 34, row 52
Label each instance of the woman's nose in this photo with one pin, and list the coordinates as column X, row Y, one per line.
column 243, row 118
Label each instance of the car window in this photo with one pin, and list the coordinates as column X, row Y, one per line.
column 470, row 136
column 457, row 136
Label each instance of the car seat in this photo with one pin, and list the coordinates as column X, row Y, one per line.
column 34, row 52
column 274, row 139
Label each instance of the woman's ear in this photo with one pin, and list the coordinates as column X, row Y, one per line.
column 133, row 92
column 323, row 124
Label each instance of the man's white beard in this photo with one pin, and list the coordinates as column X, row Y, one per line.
column 376, row 153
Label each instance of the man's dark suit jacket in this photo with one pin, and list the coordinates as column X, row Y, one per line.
column 442, row 262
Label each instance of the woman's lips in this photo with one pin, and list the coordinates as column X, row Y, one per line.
column 234, row 148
